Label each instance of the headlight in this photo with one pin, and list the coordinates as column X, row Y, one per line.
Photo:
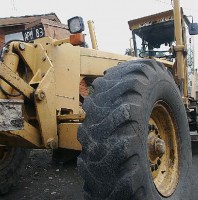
column 76, row 25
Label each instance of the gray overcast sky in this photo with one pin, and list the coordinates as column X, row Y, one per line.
column 110, row 16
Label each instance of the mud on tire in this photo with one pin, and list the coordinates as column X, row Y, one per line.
column 116, row 160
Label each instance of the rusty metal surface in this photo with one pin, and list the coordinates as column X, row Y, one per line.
column 11, row 115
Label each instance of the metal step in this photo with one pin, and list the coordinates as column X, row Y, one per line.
column 194, row 136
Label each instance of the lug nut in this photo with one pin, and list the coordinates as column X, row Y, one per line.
column 156, row 131
column 159, row 162
column 151, row 127
column 152, row 168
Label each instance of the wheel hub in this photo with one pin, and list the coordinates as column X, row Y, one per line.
column 160, row 147
column 163, row 149
column 157, row 147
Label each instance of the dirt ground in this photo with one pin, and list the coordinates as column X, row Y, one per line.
column 194, row 173
column 44, row 180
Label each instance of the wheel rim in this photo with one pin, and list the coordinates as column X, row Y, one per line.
column 5, row 156
column 163, row 149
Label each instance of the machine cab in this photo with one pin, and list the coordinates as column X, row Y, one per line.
column 153, row 36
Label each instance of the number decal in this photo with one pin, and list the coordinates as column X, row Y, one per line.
column 33, row 33
column 41, row 31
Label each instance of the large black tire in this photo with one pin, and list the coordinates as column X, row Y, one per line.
column 12, row 164
column 117, row 136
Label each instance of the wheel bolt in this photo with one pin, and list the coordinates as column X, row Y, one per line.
column 159, row 162
column 156, row 131
column 152, row 168
column 151, row 127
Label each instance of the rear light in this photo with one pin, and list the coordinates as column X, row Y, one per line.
column 77, row 39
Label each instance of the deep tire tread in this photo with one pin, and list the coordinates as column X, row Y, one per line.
column 110, row 165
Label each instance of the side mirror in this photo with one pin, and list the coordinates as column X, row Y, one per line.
column 193, row 28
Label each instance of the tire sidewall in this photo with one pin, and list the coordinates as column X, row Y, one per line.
column 166, row 90
column 114, row 135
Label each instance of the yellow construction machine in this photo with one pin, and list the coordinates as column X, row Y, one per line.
column 134, row 140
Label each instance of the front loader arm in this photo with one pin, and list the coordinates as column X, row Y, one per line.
column 49, row 77
column 14, row 130
column 38, row 92
column 12, row 79
column 43, row 80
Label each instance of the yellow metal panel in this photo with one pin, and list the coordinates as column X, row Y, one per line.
column 80, row 116
column 59, row 42
column 66, row 61
column 151, row 19
column 165, row 62
column 94, row 62
column 46, row 110
column 68, row 136
column 30, row 134
column 34, row 56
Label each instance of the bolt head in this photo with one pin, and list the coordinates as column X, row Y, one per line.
column 40, row 95
column 152, row 167
column 159, row 162
column 22, row 46
column 43, row 58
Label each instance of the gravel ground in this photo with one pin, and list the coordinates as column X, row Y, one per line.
column 44, row 180
column 194, row 173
